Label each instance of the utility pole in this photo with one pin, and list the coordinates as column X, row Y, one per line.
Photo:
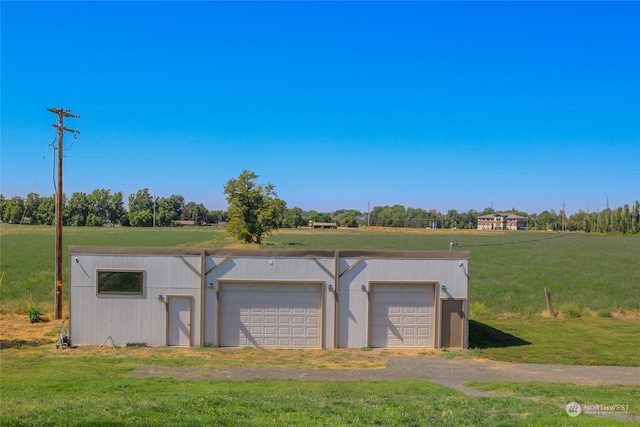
column 61, row 113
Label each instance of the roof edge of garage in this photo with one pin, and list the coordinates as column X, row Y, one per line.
column 133, row 250
column 399, row 254
column 325, row 253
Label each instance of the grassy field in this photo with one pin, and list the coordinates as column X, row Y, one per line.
column 588, row 274
column 593, row 278
column 570, row 341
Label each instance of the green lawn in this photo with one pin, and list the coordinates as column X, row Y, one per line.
column 624, row 399
column 41, row 387
column 572, row 341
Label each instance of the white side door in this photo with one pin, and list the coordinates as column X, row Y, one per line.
column 179, row 321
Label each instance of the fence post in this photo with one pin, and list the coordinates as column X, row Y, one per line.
column 547, row 295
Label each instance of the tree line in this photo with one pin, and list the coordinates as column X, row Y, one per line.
column 624, row 219
column 101, row 207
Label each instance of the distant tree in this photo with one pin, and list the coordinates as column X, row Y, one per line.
column 293, row 218
column 98, row 212
column 116, row 214
column 254, row 209
column 350, row 222
column 13, row 209
column 169, row 210
column 452, row 219
column 340, row 215
column 487, row 211
column 195, row 212
column 214, row 217
column 77, row 209
column 32, row 202
column 46, row 213
column 547, row 221
column 319, row 216
column 3, row 203
column 635, row 218
column 141, row 209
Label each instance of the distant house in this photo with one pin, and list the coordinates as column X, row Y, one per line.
column 502, row 221
column 185, row 223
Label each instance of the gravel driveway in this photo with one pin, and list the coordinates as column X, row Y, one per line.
column 451, row 373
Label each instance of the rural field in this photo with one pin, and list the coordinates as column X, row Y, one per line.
column 594, row 281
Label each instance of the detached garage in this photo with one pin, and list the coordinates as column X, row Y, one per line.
column 268, row 298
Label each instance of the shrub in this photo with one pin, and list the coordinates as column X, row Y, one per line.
column 35, row 314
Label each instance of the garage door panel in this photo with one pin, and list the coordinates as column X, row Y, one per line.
column 401, row 315
column 270, row 315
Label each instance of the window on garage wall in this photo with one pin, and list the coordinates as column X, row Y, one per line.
column 120, row 282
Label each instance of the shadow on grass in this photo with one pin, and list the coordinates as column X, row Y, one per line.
column 485, row 336
column 18, row 343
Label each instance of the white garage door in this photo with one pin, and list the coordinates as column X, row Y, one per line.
column 270, row 315
column 402, row 315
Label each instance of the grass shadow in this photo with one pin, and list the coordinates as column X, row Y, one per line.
column 485, row 336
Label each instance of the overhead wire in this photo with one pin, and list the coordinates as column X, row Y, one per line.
column 26, row 204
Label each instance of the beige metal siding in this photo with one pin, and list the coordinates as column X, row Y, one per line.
column 120, row 319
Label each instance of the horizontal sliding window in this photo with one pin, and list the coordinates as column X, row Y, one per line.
column 120, row 282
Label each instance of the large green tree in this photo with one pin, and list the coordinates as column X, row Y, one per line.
column 254, row 209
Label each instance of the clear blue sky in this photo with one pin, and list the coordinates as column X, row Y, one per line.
column 425, row 104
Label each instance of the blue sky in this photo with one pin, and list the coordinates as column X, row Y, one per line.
column 434, row 105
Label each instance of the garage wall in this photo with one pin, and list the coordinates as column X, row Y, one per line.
column 199, row 280
column 121, row 319
column 356, row 273
column 272, row 271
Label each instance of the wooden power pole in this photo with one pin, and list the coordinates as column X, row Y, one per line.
column 61, row 113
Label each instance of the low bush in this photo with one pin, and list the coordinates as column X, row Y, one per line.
column 35, row 314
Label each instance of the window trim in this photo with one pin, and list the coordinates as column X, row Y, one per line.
column 143, row 283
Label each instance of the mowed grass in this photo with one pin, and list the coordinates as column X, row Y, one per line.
column 622, row 399
column 571, row 341
column 63, row 388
